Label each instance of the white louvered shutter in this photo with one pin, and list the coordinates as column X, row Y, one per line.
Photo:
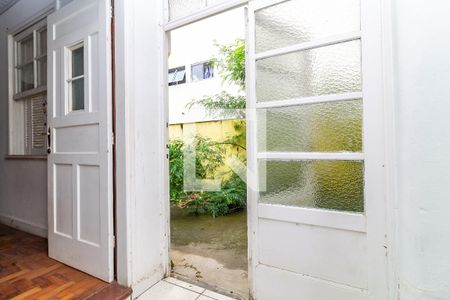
column 36, row 125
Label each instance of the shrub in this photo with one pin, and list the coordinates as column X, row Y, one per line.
column 209, row 157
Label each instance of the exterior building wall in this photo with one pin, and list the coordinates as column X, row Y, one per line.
column 218, row 131
column 193, row 44
column 23, row 182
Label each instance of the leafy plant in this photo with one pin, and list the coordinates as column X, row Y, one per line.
column 231, row 62
column 209, row 157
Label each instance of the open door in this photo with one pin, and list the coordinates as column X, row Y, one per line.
column 315, row 139
column 80, row 136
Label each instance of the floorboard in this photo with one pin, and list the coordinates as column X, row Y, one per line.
column 26, row 272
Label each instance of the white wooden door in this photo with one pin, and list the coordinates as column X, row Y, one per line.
column 315, row 138
column 79, row 119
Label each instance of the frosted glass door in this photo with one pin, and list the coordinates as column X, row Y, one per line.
column 317, row 220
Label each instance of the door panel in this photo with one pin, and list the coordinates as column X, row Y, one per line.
column 314, row 87
column 80, row 120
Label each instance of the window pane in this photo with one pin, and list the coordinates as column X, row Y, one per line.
column 77, row 94
column 202, row 71
column 179, row 75
column 180, row 8
column 25, row 49
column 215, row 2
column 299, row 21
column 197, row 72
column 171, row 77
column 26, row 77
column 337, row 185
column 323, row 127
column 327, row 70
column 78, row 62
column 42, row 42
column 42, row 71
column 208, row 71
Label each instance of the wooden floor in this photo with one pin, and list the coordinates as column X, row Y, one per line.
column 26, row 272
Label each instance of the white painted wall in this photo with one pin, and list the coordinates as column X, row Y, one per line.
column 195, row 43
column 421, row 38
column 23, row 183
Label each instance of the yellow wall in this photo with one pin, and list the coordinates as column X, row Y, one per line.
column 218, row 131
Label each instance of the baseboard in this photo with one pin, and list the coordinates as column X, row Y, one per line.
column 23, row 225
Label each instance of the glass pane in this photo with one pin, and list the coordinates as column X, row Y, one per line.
column 25, row 48
column 337, row 185
column 181, row 8
column 42, row 71
column 197, row 72
column 327, row 70
column 323, row 127
column 26, row 77
column 214, row 2
column 179, row 75
column 299, row 21
column 78, row 62
column 42, row 42
column 78, row 94
column 170, row 77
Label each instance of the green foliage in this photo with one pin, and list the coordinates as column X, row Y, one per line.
column 222, row 105
column 231, row 62
column 209, row 157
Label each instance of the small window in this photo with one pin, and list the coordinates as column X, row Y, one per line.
column 30, row 60
column 28, row 121
column 76, row 78
column 177, row 76
column 202, row 71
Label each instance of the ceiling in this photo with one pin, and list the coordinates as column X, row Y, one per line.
column 6, row 4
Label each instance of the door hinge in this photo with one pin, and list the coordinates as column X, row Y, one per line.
column 114, row 241
column 113, row 138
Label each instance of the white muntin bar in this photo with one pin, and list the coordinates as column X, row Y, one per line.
column 335, row 39
column 350, row 156
column 311, row 100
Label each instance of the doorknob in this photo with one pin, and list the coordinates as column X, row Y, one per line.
column 49, row 141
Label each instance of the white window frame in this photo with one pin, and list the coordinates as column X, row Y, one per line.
column 20, row 103
column 69, row 79
column 34, row 29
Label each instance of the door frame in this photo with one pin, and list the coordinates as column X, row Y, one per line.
column 126, row 162
column 167, row 27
